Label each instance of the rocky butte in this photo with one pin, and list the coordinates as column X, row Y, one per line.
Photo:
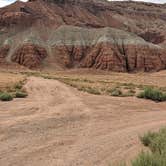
column 61, row 34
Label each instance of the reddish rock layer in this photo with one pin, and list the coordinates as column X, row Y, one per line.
column 29, row 55
column 135, row 17
column 3, row 53
column 107, row 56
column 153, row 37
column 38, row 21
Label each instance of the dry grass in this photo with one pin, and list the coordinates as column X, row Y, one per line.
column 8, row 80
column 11, row 86
column 103, row 83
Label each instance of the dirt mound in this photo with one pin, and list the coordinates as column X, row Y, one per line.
column 48, row 23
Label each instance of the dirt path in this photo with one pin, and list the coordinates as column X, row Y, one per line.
column 59, row 126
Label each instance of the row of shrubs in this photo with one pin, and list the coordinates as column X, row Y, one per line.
column 153, row 94
column 116, row 92
column 148, row 93
column 6, row 96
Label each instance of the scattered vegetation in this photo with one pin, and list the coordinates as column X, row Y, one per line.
column 148, row 159
column 4, row 96
column 20, row 94
column 153, row 94
column 114, row 92
column 13, row 91
column 107, row 87
column 147, row 138
column 90, row 90
column 156, row 142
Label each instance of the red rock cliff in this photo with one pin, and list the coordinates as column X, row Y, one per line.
column 118, row 36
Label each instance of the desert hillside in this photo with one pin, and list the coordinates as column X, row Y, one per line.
column 55, row 34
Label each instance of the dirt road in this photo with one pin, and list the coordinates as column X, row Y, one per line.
column 57, row 125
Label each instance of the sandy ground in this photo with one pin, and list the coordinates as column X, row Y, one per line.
column 57, row 125
column 9, row 79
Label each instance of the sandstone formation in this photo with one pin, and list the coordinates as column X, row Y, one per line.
column 3, row 53
column 29, row 55
column 117, row 36
column 106, row 49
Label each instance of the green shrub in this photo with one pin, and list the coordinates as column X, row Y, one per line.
column 6, row 97
column 21, row 94
column 153, row 94
column 148, row 138
column 92, row 91
column 156, row 141
column 148, row 159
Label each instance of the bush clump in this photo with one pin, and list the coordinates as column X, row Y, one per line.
column 91, row 90
column 6, row 96
column 148, row 138
column 156, row 141
column 152, row 94
column 148, row 159
column 20, row 94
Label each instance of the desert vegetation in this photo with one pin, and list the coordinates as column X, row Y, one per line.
column 4, row 96
column 11, row 86
column 21, row 94
column 97, row 86
column 109, row 86
column 156, row 155
column 153, row 94
column 15, row 91
column 156, row 142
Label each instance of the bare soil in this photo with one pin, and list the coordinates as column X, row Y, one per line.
column 56, row 125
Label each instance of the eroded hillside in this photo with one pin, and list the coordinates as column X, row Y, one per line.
column 118, row 36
